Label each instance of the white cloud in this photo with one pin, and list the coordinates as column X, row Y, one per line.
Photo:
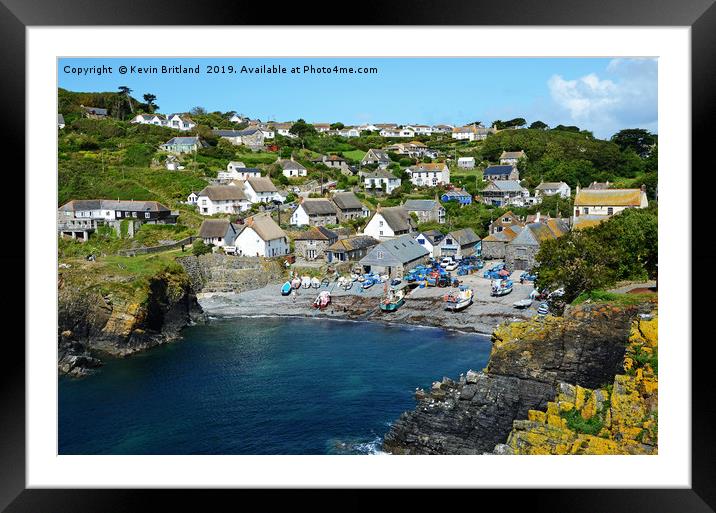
column 625, row 98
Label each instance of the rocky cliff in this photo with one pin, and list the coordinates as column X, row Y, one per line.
column 530, row 364
column 104, row 307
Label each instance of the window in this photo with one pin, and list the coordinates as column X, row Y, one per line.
column 147, row 215
column 610, row 210
column 586, row 210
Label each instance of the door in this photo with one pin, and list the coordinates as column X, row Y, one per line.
column 520, row 264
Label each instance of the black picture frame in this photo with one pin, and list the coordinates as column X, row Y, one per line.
column 700, row 15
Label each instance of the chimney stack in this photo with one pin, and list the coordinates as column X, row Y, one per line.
column 643, row 188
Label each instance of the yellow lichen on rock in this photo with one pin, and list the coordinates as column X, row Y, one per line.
column 621, row 419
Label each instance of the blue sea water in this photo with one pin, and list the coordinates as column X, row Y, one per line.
column 261, row 386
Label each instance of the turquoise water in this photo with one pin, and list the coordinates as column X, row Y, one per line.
column 261, row 386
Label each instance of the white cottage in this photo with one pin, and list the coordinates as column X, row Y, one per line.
column 389, row 222
column 222, row 199
column 261, row 237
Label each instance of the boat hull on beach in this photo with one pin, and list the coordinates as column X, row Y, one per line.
column 392, row 306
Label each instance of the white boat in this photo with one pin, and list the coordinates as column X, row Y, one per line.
column 522, row 303
column 306, row 282
column 315, row 283
column 456, row 301
column 296, row 283
column 501, row 287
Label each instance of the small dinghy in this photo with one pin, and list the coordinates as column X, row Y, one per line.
column 286, row 289
column 315, row 283
column 325, row 282
column 522, row 303
column 306, row 282
column 323, row 300
column 296, row 283
column 543, row 309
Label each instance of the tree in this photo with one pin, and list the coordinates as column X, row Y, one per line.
column 301, row 129
column 625, row 247
column 150, row 99
column 125, row 91
column 638, row 139
column 568, row 128
column 337, row 126
column 539, row 125
column 198, row 111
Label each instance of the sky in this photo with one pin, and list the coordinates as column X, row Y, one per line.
column 598, row 94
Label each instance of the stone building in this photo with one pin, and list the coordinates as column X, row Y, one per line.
column 315, row 212
column 313, row 243
column 521, row 251
column 426, row 210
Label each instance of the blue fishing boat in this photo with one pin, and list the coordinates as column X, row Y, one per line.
column 286, row 288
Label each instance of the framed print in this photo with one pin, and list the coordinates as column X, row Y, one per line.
column 301, row 256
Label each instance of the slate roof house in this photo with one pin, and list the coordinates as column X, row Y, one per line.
column 381, row 180
column 429, row 175
column 312, row 243
column 349, row 206
column 350, row 249
column 292, row 169
column 459, row 244
column 504, row 192
column 374, row 156
column 79, row 218
column 315, row 212
column 95, row 112
column 520, row 252
column 502, row 172
column 466, row 162
column 184, row 144
column 426, row 210
column 219, row 232
column 389, row 222
column 252, row 137
column 430, row 240
column 553, row 188
column 394, row 257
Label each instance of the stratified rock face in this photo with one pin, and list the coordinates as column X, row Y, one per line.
column 528, row 360
column 89, row 321
column 465, row 417
column 621, row 418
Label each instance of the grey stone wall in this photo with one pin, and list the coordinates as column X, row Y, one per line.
column 493, row 249
column 226, row 273
column 512, row 255
column 303, row 246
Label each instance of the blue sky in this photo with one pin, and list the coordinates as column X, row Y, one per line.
column 597, row 94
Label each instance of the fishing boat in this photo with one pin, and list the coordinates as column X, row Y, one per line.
column 501, row 287
column 523, row 303
column 458, row 300
column 306, row 282
column 323, row 300
column 393, row 298
column 543, row 309
column 315, row 283
column 296, row 283
column 286, row 289
column 367, row 282
column 325, row 282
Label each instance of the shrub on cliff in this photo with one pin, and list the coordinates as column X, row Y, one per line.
column 623, row 248
column 198, row 248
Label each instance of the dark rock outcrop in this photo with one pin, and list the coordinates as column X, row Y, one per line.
column 586, row 347
column 92, row 321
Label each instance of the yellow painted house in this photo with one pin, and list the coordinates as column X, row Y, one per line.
column 592, row 206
